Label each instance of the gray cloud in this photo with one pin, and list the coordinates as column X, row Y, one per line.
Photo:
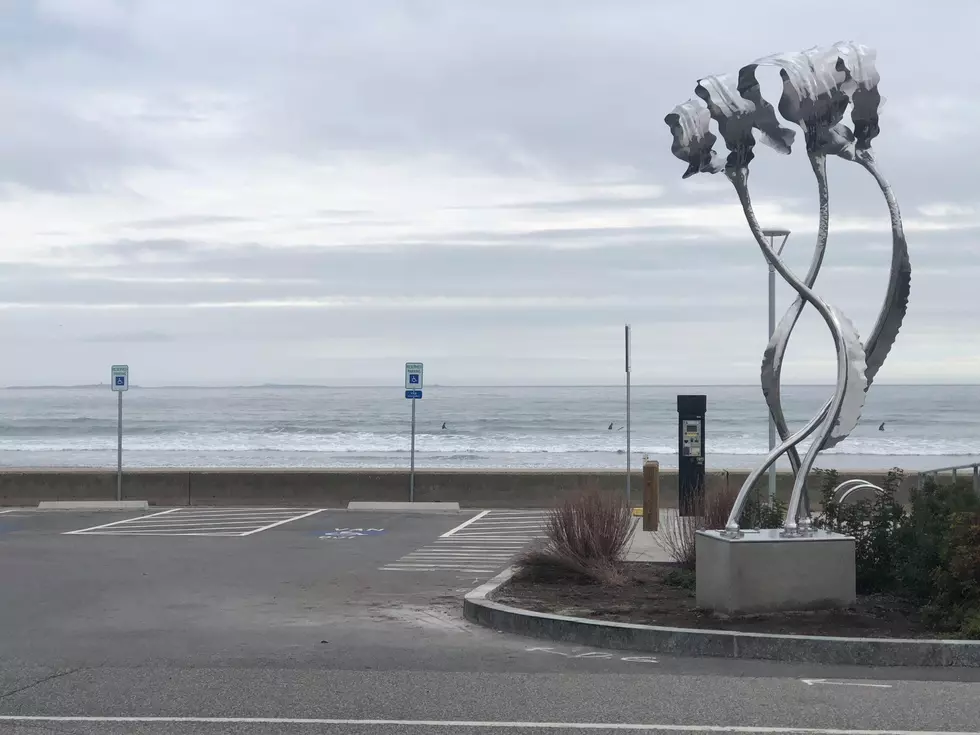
column 321, row 190
column 129, row 337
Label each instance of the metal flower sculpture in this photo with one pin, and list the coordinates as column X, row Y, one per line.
column 819, row 85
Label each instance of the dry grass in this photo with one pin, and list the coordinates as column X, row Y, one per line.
column 587, row 536
column 677, row 534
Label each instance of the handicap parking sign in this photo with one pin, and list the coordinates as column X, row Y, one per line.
column 120, row 378
column 413, row 380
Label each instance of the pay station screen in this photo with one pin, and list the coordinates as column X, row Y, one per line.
column 692, row 438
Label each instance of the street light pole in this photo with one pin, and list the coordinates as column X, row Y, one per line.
column 772, row 235
column 629, row 494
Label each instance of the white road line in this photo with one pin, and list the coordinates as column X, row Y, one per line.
column 243, row 508
column 116, row 523
column 430, row 568
column 454, row 560
column 487, row 544
column 288, row 520
column 178, row 521
column 234, row 530
column 515, row 523
column 454, row 554
column 504, row 533
column 243, row 511
column 8, row 511
column 239, row 514
column 496, row 537
column 464, row 524
column 460, row 552
column 479, row 543
column 191, row 526
column 436, row 565
column 517, row 725
column 163, row 533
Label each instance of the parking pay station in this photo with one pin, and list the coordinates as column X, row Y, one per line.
column 690, row 452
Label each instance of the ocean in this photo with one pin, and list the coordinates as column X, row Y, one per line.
column 489, row 427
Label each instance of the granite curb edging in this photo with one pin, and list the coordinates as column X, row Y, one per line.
column 479, row 607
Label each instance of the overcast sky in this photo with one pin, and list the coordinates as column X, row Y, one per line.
column 245, row 191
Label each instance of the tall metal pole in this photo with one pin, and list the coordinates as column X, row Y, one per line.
column 411, row 474
column 119, row 451
column 629, row 495
column 772, row 234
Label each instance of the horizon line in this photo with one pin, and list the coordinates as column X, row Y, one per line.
column 398, row 386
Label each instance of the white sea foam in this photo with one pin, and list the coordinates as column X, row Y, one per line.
column 484, row 427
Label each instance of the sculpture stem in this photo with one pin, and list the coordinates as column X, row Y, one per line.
column 773, row 359
column 878, row 344
column 896, row 301
column 772, row 363
column 738, row 177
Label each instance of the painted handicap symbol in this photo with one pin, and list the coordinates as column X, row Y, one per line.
column 341, row 533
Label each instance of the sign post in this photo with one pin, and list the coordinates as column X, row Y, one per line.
column 120, row 384
column 413, row 391
column 629, row 501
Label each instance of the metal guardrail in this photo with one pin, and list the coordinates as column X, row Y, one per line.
column 974, row 468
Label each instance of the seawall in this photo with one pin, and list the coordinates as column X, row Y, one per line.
column 335, row 488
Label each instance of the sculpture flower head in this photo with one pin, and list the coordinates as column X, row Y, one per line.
column 818, row 86
column 737, row 116
column 857, row 62
column 812, row 97
column 693, row 141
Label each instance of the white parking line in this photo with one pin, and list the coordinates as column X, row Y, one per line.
column 116, row 523
column 288, row 520
column 224, row 522
column 487, row 724
column 464, row 524
column 216, row 534
column 485, row 543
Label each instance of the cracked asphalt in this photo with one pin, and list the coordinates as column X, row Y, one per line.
column 284, row 631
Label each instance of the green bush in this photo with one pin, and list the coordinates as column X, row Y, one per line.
column 875, row 523
column 925, row 538
column 927, row 552
column 940, row 556
column 758, row 514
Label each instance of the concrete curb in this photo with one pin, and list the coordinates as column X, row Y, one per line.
column 438, row 507
column 478, row 607
column 93, row 505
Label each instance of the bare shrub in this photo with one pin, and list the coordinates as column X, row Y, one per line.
column 714, row 508
column 677, row 534
column 587, row 535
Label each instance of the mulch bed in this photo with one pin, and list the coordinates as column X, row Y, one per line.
column 663, row 594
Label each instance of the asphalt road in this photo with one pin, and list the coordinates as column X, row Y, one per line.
column 283, row 631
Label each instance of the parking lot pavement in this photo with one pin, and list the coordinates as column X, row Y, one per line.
column 72, row 594
column 299, row 622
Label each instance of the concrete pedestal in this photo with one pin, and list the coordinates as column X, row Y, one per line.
column 762, row 571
